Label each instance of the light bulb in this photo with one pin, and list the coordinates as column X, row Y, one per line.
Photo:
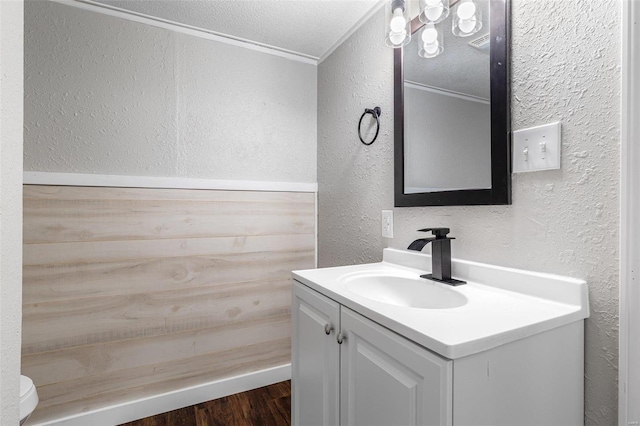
column 466, row 10
column 431, row 48
column 429, row 35
column 397, row 38
column 398, row 22
column 434, row 13
column 434, row 9
column 466, row 26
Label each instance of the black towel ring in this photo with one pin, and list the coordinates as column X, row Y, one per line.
column 376, row 113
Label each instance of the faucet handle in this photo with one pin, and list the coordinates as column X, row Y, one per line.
column 438, row 232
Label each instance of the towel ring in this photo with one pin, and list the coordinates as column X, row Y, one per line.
column 376, row 113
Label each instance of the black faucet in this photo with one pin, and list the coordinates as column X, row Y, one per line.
column 440, row 255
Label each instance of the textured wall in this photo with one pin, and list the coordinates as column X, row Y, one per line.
column 11, row 24
column 565, row 66
column 250, row 115
column 109, row 96
column 354, row 181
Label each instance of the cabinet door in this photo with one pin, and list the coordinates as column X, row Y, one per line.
column 389, row 380
column 315, row 358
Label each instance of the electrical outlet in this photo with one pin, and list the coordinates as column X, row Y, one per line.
column 537, row 148
column 387, row 223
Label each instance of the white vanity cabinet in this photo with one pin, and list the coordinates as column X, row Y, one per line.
column 315, row 358
column 377, row 344
column 374, row 377
column 386, row 379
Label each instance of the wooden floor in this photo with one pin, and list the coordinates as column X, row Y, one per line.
column 267, row 406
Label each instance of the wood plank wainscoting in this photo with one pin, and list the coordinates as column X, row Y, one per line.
column 131, row 292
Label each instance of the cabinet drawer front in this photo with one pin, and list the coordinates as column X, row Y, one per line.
column 389, row 380
column 315, row 358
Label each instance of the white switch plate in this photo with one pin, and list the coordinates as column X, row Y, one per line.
column 537, row 148
column 387, row 223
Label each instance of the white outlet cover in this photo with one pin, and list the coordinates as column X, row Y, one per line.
column 537, row 148
column 387, row 223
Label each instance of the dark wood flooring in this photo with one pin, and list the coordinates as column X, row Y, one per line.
column 267, row 406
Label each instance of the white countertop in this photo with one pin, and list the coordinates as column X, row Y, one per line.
column 503, row 305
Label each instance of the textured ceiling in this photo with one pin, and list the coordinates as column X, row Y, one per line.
column 307, row 27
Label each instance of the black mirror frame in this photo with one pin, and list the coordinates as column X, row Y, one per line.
column 500, row 192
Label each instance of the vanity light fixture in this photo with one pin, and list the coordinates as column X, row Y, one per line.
column 397, row 24
column 466, row 21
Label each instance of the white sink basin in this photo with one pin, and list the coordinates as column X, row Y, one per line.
column 403, row 291
column 497, row 305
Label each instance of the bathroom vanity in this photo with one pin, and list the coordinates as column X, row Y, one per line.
column 376, row 344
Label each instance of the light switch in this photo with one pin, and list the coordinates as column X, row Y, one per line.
column 537, row 148
column 387, row 223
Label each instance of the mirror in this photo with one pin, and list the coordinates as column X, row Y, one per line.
column 452, row 122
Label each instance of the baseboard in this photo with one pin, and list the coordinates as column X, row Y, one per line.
column 145, row 407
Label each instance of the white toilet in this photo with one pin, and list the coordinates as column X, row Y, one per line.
column 28, row 398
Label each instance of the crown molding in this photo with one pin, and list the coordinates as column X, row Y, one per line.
column 187, row 29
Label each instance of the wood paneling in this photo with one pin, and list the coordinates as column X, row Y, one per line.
column 59, row 325
column 185, row 371
column 49, row 283
column 219, row 366
column 81, row 361
column 108, row 214
column 131, row 292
